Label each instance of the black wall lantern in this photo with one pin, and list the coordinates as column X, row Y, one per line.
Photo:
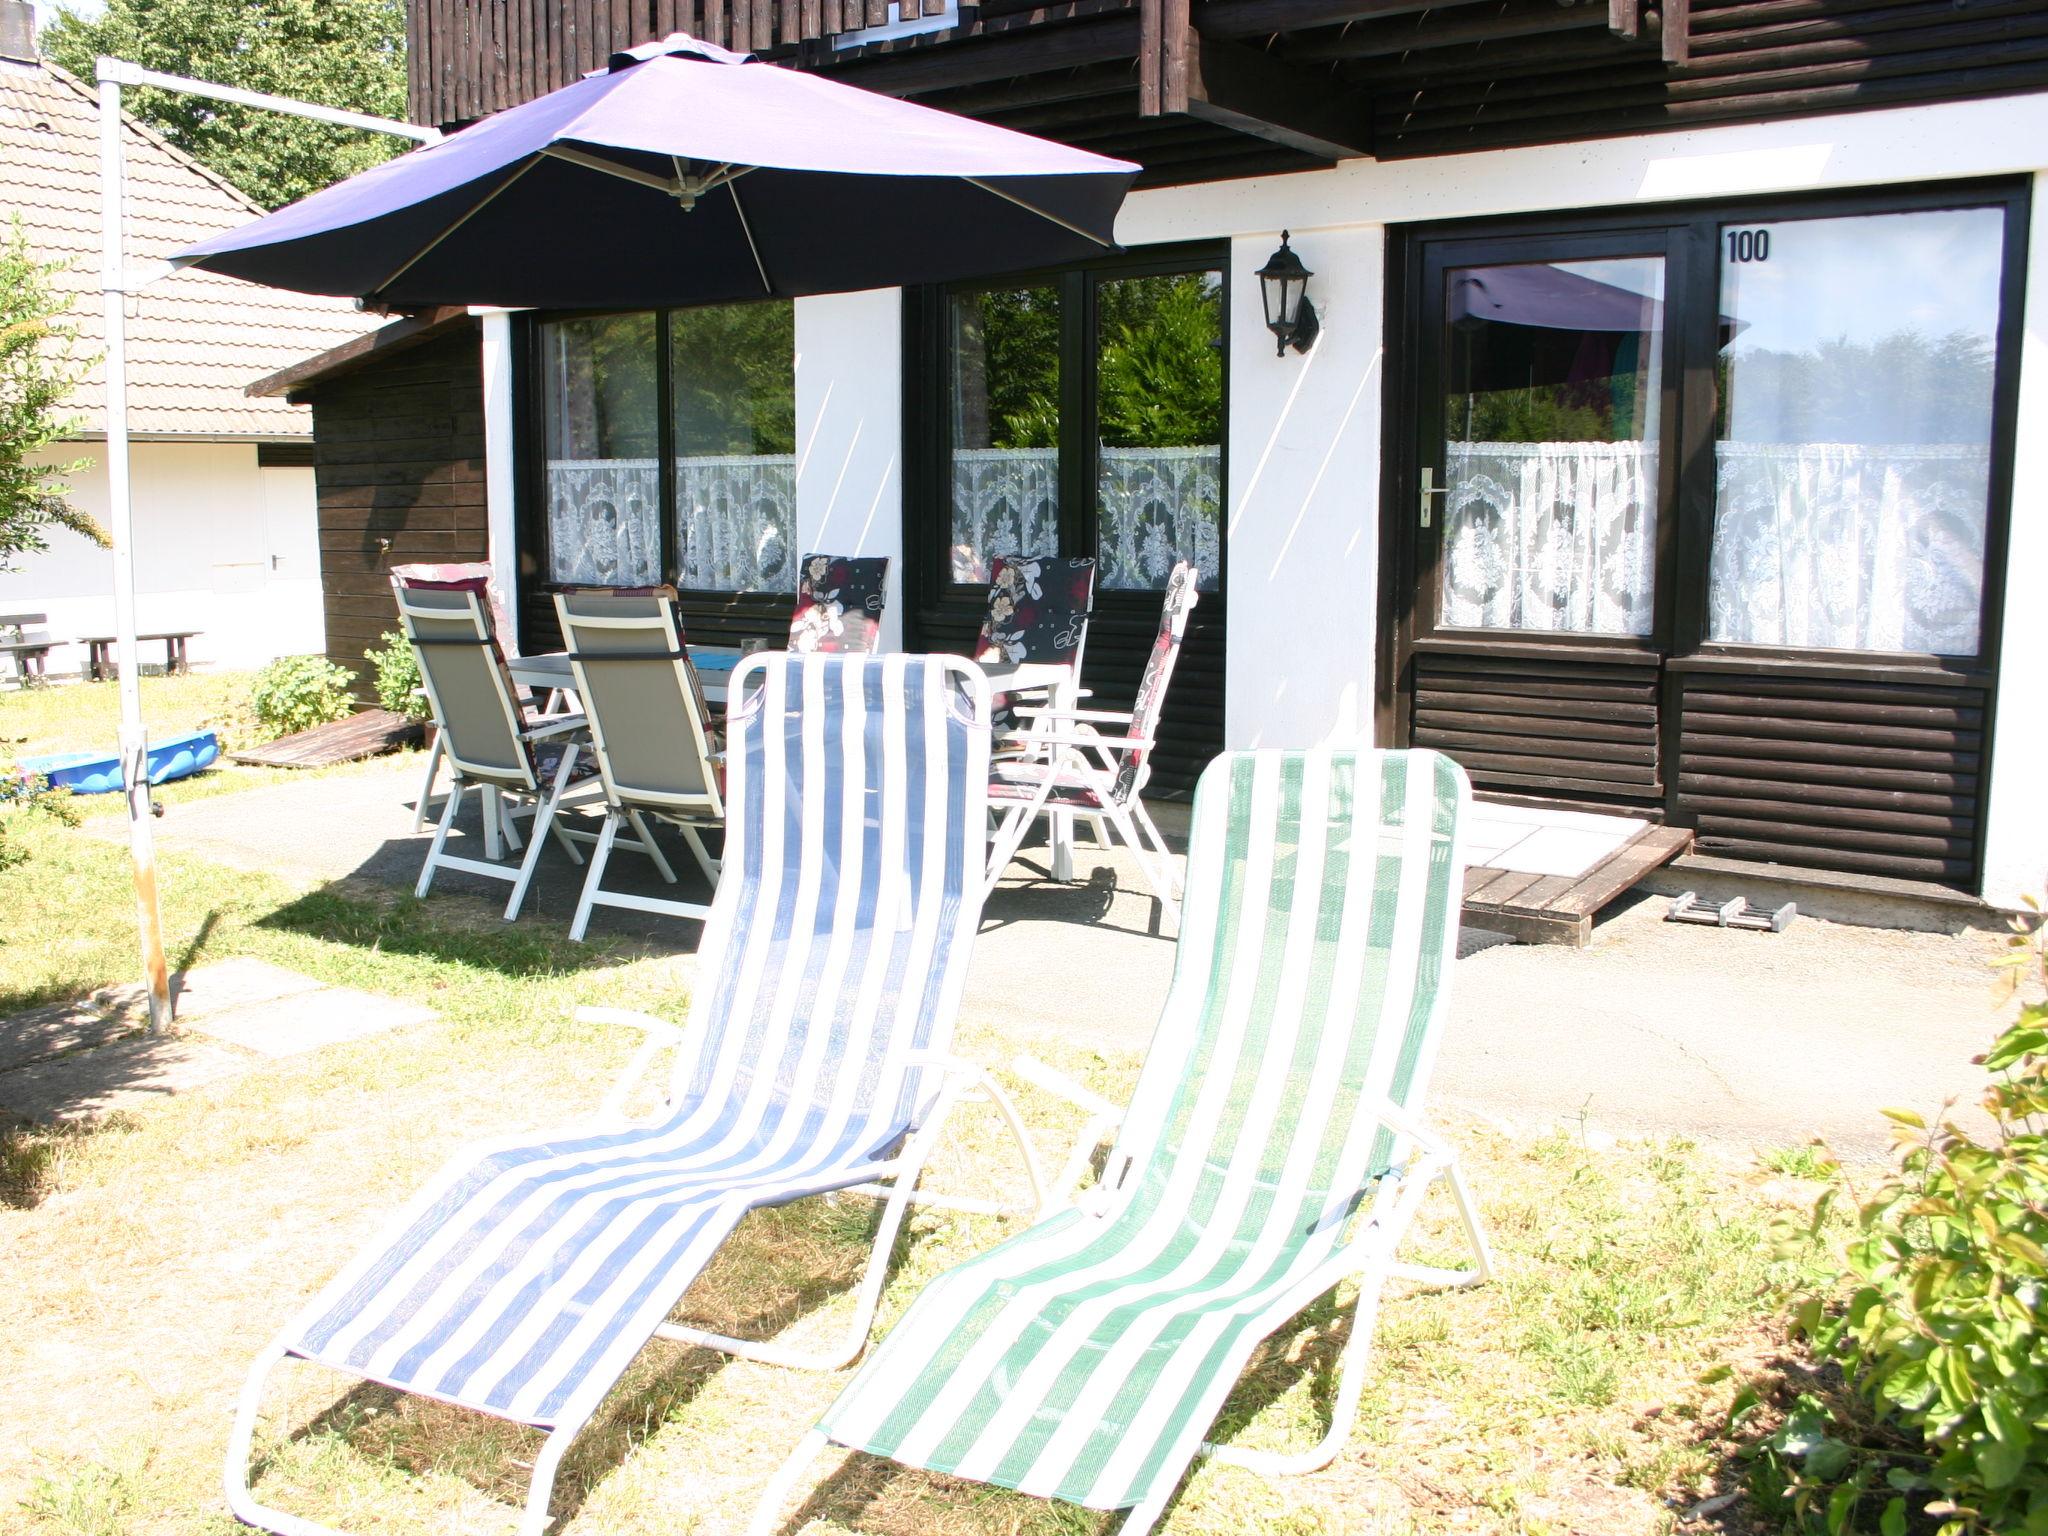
column 1283, row 281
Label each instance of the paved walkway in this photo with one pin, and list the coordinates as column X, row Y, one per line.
column 1751, row 1040
column 78, row 1061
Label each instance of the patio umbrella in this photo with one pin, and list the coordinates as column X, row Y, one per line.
column 684, row 174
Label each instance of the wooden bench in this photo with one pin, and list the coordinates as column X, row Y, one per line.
column 100, row 663
column 30, row 652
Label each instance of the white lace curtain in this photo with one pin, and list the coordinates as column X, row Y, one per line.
column 1867, row 547
column 1550, row 536
column 735, row 522
column 1157, row 506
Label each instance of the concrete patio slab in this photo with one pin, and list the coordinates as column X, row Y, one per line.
column 79, row 1061
column 1743, row 1039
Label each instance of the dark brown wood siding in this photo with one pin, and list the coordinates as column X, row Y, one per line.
column 1531, row 724
column 399, row 470
column 1879, row 777
column 1409, row 77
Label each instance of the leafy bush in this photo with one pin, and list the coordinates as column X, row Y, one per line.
column 1938, row 1319
column 28, row 792
column 396, row 672
column 295, row 693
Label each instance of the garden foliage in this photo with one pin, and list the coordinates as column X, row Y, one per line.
column 296, row 693
column 1938, row 1320
column 395, row 673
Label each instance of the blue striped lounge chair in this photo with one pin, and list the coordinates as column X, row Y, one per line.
column 531, row 1271
column 1273, row 1149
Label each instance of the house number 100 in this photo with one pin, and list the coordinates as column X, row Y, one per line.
column 1749, row 245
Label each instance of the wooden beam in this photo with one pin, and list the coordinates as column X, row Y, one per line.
column 1625, row 17
column 1675, row 39
column 1255, row 93
column 984, row 60
column 1262, row 18
column 1515, row 19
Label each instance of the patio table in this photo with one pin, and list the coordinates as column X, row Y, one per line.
column 549, row 670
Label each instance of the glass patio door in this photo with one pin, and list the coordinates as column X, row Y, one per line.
column 1539, row 510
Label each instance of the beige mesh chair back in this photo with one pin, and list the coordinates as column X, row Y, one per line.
column 656, row 753
column 484, row 736
column 463, row 671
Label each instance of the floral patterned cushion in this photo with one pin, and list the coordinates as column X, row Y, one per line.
column 1181, row 595
column 1014, row 782
column 1038, row 608
column 839, row 604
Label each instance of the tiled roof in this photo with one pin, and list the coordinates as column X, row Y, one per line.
column 196, row 340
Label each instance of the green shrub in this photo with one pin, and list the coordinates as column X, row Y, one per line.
column 396, row 673
column 295, row 693
column 30, row 794
column 1937, row 1317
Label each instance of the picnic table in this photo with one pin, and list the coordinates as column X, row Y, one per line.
column 100, row 664
column 30, row 652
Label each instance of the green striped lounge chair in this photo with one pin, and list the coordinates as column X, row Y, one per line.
column 1274, row 1148
column 531, row 1271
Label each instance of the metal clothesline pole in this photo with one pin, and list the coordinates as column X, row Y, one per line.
column 116, row 282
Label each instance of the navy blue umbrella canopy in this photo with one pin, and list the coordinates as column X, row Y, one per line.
column 683, row 174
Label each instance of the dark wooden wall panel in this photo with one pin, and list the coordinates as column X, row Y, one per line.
column 1558, row 729
column 1873, row 777
column 399, row 474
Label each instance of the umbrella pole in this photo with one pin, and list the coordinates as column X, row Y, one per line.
column 149, row 919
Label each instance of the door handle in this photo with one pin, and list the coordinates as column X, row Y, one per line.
column 1429, row 488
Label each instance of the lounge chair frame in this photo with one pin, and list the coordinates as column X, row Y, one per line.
column 893, row 1178
column 1387, row 1206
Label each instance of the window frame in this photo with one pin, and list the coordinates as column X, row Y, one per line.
column 928, row 373
column 536, row 562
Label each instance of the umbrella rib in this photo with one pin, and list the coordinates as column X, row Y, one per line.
column 473, row 210
column 1052, row 218
column 591, row 162
column 747, row 229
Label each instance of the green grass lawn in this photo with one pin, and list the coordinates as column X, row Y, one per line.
column 149, row 1258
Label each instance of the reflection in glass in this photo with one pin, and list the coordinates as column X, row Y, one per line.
column 600, row 429
column 733, row 385
column 1159, row 409
column 1853, row 450
column 1552, row 393
column 1004, row 396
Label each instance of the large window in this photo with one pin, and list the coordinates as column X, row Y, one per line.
column 1853, row 448
column 710, row 394
column 1083, row 415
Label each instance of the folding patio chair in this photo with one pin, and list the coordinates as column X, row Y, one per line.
column 1274, row 1148
column 839, row 604
column 488, row 742
column 456, row 575
column 1038, row 608
column 1070, row 765
column 650, row 734
column 530, row 1272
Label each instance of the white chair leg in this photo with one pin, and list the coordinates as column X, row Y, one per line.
column 419, row 806
column 701, row 854
column 1157, row 874
column 493, row 823
column 1062, row 825
column 767, row 1515
column 1159, row 847
column 508, row 819
column 543, row 819
column 448, row 814
column 595, row 879
column 651, row 848
column 540, row 1487
column 1008, row 838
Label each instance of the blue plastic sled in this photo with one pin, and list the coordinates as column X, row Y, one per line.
column 99, row 773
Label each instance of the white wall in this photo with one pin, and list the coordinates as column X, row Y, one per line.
column 222, row 546
column 849, row 434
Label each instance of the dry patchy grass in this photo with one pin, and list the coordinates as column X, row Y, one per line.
column 150, row 1258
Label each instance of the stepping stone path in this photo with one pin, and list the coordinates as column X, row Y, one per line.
column 80, row 1061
